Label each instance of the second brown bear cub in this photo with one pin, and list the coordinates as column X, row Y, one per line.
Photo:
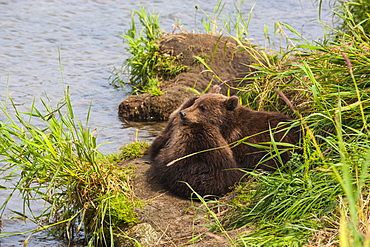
column 213, row 120
column 209, row 169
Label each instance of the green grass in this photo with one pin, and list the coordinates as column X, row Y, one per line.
column 131, row 151
column 58, row 162
column 320, row 197
column 354, row 14
column 147, row 67
column 235, row 24
column 326, row 87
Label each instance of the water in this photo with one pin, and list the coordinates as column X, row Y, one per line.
column 84, row 34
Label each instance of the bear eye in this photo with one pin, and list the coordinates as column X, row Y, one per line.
column 202, row 108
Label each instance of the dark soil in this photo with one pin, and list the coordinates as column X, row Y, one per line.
column 175, row 220
column 227, row 58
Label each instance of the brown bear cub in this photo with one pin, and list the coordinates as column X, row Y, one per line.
column 258, row 129
column 210, row 121
column 196, row 154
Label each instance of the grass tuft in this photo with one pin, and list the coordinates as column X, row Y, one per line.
column 325, row 86
column 55, row 159
column 147, row 66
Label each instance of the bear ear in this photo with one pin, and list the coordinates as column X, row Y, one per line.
column 231, row 103
column 189, row 103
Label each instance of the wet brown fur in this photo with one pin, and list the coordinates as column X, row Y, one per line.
column 212, row 172
column 209, row 121
column 236, row 122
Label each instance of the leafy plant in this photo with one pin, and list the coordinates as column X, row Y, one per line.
column 58, row 161
column 147, row 66
column 327, row 88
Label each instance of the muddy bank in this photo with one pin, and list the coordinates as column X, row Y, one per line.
column 227, row 58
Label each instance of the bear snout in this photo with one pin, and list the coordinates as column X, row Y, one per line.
column 182, row 115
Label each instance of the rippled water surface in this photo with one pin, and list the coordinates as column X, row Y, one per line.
column 84, row 34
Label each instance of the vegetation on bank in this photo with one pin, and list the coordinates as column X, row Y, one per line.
column 322, row 198
column 55, row 158
column 319, row 198
column 147, row 67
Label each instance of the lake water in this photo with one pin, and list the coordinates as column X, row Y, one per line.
column 85, row 35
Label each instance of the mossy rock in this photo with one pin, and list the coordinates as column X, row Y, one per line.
column 227, row 58
column 143, row 234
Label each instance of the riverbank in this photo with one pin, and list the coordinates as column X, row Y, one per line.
column 324, row 86
column 306, row 204
column 167, row 219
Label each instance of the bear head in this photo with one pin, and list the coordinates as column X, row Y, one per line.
column 211, row 108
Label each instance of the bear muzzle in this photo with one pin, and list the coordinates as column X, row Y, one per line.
column 182, row 115
column 187, row 118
